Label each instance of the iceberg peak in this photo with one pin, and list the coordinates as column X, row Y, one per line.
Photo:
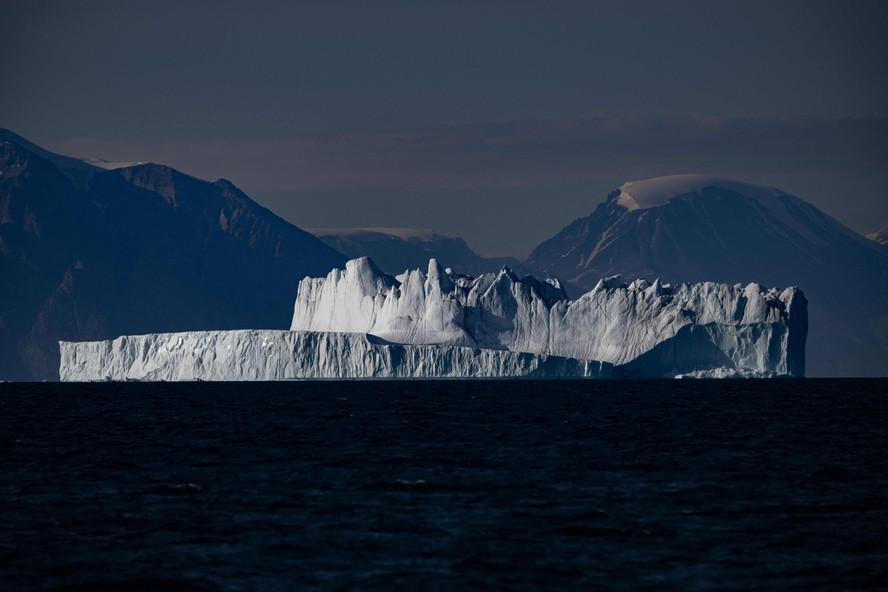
column 437, row 279
column 636, row 326
column 362, row 323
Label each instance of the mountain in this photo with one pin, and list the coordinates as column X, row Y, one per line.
column 87, row 254
column 75, row 169
column 689, row 228
column 398, row 249
column 880, row 237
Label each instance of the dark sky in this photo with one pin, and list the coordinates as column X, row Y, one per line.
column 496, row 121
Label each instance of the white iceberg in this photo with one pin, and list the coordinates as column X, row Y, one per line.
column 647, row 329
column 363, row 323
column 292, row 355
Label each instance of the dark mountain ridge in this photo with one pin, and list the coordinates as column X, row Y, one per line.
column 142, row 249
column 75, row 169
column 398, row 249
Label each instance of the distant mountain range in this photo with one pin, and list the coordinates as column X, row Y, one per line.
column 88, row 253
column 690, row 228
column 398, row 249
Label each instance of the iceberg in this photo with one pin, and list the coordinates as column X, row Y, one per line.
column 291, row 355
column 645, row 329
column 360, row 322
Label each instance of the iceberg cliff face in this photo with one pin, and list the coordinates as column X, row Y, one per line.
column 290, row 355
column 645, row 329
column 362, row 323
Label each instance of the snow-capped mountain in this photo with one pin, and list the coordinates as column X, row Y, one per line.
column 87, row 253
column 399, row 249
column 77, row 169
column 690, row 228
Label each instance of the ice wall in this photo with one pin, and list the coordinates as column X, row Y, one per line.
column 362, row 323
column 647, row 329
column 285, row 355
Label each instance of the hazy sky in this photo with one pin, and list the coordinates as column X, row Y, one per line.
column 496, row 121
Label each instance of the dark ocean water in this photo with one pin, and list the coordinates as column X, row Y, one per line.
column 493, row 485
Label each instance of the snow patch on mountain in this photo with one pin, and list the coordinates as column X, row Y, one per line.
column 880, row 236
column 423, row 234
column 659, row 191
column 110, row 166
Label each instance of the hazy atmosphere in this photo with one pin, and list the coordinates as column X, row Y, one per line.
column 496, row 121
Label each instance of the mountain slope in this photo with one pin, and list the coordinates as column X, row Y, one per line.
column 880, row 236
column 135, row 250
column 693, row 228
column 75, row 169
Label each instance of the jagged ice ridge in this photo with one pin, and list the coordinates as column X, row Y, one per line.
column 363, row 323
column 647, row 329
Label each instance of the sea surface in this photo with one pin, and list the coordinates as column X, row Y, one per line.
column 445, row 485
